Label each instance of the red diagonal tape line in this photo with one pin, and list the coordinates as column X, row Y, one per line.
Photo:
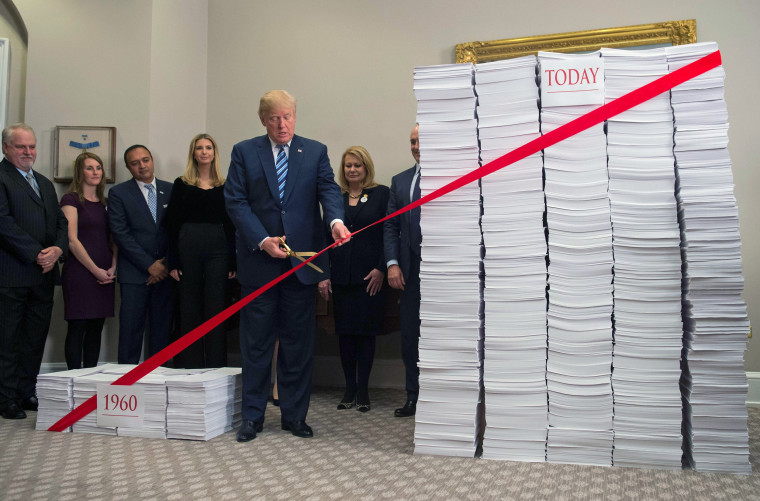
column 580, row 124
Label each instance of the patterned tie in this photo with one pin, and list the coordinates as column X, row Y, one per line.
column 282, row 169
column 30, row 178
column 151, row 200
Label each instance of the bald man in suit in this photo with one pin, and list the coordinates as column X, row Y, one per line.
column 403, row 240
column 33, row 237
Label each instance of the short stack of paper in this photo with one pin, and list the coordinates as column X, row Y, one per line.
column 86, row 387
column 714, row 383
column 580, row 288
column 450, row 308
column 55, row 393
column 647, row 296
column 204, row 405
column 514, row 364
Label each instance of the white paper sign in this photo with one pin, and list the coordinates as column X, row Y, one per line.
column 120, row 405
column 570, row 82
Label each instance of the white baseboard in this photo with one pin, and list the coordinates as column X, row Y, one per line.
column 753, row 393
column 389, row 373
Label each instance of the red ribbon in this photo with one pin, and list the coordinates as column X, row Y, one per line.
column 572, row 128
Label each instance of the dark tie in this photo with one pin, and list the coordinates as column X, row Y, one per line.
column 416, row 233
column 30, row 178
column 282, row 169
column 151, row 200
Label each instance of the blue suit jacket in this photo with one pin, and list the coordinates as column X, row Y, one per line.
column 402, row 236
column 141, row 240
column 253, row 203
column 28, row 224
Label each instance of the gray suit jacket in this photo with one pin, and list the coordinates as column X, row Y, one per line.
column 28, row 224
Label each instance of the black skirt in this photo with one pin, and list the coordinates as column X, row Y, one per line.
column 356, row 312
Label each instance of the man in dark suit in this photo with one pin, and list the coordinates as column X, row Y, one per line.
column 33, row 236
column 275, row 186
column 136, row 210
column 403, row 239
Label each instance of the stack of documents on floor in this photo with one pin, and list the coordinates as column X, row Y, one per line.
column 194, row 404
column 450, row 309
column 514, row 364
column 55, row 393
column 715, row 321
column 86, row 387
column 645, row 240
column 204, row 405
column 580, row 288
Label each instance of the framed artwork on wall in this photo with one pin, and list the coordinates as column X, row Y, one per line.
column 654, row 34
column 70, row 141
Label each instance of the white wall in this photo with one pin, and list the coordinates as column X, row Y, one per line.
column 14, row 30
column 349, row 63
column 138, row 65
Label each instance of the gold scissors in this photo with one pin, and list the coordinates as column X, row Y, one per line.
column 299, row 255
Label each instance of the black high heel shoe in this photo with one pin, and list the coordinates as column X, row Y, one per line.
column 346, row 405
column 362, row 407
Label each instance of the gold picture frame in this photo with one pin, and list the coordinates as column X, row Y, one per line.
column 70, row 141
column 669, row 33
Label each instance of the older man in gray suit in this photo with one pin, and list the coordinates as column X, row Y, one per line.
column 33, row 237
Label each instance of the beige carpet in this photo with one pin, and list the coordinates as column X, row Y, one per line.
column 352, row 456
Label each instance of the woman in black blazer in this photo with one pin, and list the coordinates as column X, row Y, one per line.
column 357, row 271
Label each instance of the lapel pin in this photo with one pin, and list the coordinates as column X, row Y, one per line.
column 299, row 150
column 364, row 198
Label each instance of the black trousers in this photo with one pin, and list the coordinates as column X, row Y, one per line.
column 286, row 312
column 141, row 305
column 410, row 330
column 202, row 292
column 24, row 323
column 82, row 344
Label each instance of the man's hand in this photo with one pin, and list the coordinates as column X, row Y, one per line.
column 272, row 247
column 175, row 274
column 158, row 272
column 395, row 277
column 48, row 257
column 375, row 278
column 325, row 288
column 339, row 232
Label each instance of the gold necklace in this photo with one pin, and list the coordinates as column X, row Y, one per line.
column 354, row 196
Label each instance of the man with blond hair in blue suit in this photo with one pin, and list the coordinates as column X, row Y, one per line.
column 275, row 187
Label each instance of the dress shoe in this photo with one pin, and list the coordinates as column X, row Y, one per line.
column 346, row 405
column 13, row 411
column 409, row 409
column 298, row 428
column 248, row 430
column 30, row 404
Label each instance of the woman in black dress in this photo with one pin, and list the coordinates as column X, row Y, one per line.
column 357, row 271
column 88, row 276
column 201, row 251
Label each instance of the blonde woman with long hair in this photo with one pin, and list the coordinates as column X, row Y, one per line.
column 201, row 250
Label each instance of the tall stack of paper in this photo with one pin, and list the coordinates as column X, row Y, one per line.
column 647, row 287
column 55, row 393
column 580, row 287
column 204, row 405
column 715, row 316
column 514, row 359
column 450, row 308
